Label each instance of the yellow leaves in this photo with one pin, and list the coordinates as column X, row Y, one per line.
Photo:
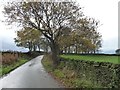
column 28, row 35
column 26, row 6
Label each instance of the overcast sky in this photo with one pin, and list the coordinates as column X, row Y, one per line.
column 106, row 11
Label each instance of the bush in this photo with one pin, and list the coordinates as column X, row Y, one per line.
column 99, row 73
column 58, row 73
column 83, row 83
column 47, row 62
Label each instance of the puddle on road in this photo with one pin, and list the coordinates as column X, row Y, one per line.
column 31, row 64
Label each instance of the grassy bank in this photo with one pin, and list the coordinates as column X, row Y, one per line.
column 5, row 69
column 12, row 60
column 66, row 77
column 95, row 58
column 84, row 73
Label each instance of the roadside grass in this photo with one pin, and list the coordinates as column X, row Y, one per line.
column 11, row 60
column 47, row 63
column 68, row 78
column 95, row 58
column 5, row 69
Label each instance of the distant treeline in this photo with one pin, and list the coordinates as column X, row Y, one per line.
column 92, row 54
column 11, row 51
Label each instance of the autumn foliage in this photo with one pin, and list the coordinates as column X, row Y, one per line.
column 9, row 57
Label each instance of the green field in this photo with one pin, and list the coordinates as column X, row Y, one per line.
column 96, row 58
column 8, row 68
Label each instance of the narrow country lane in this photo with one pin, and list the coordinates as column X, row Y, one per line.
column 29, row 75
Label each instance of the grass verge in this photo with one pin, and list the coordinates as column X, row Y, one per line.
column 68, row 78
column 5, row 69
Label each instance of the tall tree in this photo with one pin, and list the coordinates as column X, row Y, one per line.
column 90, row 37
column 49, row 18
column 28, row 38
column 84, row 38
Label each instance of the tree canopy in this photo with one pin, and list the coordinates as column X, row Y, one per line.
column 28, row 38
column 61, row 23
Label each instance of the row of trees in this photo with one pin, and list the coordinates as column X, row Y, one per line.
column 62, row 24
column 31, row 39
column 85, row 40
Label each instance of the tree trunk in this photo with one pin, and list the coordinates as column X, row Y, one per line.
column 39, row 47
column 46, row 49
column 65, row 49
column 61, row 52
column 30, row 46
column 69, row 49
column 55, row 54
column 34, row 47
column 76, row 49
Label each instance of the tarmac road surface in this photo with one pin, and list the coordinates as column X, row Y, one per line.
column 29, row 75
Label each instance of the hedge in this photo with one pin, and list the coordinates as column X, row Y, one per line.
column 104, row 74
